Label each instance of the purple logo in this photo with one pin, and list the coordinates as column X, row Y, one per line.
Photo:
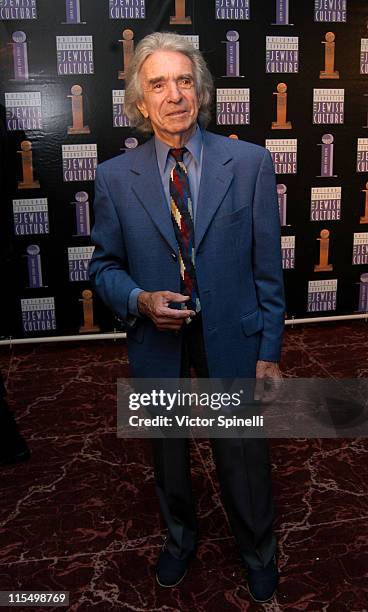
column 233, row 10
column 31, row 216
column 127, row 9
column 74, row 55
column 79, row 162
column 322, row 295
column 23, row 110
column 232, row 107
column 18, row 9
column 38, row 314
column 329, row 11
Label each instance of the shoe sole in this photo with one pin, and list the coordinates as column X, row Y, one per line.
column 20, row 458
column 168, row 586
column 261, row 600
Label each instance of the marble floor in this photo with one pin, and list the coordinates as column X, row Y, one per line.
column 81, row 515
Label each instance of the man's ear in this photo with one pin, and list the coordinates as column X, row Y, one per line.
column 142, row 109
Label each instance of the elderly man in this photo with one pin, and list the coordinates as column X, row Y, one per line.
column 188, row 254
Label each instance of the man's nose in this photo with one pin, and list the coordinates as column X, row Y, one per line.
column 173, row 91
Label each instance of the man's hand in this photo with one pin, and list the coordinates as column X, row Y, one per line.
column 155, row 305
column 269, row 377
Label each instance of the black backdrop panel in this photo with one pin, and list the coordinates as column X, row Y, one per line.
column 62, row 110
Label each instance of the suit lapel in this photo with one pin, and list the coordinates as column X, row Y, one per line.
column 147, row 186
column 215, row 182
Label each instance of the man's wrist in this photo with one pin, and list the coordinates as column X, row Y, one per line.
column 142, row 301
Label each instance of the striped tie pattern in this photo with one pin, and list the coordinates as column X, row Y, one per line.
column 182, row 218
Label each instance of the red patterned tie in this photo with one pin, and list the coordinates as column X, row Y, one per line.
column 182, row 218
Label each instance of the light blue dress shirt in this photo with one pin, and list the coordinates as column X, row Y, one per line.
column 193, row 162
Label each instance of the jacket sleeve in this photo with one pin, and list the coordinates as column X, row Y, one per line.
column 267, row 264
column 109, row 268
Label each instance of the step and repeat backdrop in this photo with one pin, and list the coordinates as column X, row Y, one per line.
column 289, row 75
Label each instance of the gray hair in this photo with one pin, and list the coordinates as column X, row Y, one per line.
column 166, row 41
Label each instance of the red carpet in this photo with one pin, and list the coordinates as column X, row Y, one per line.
column 81, row 515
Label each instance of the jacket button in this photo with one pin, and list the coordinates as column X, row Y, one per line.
column 173, row 255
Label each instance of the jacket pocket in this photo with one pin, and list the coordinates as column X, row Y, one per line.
column 252, row 322
column 241, row 214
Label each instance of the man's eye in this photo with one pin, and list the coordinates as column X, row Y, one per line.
column 158, row 86
column 185, row 82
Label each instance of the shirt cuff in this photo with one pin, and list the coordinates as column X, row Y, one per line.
column 133, row 302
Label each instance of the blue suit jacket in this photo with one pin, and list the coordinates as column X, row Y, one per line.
column 238, row 258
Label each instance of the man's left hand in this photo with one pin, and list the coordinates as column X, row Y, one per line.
column 269, row 377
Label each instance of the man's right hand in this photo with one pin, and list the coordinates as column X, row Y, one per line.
column 155, row 305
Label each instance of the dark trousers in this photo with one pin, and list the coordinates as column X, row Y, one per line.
column 243, row 469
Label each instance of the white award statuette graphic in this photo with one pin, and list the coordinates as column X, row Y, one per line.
column 327, row 156
column 322, row 295
column 232, row 54
column 82, row 213
column 38, row 314
column 282, row 13
column 363, row 293
column 34, row 266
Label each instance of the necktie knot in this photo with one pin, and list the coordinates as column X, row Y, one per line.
column 178, row 154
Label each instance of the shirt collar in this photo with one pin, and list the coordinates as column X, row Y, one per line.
column 194, row 146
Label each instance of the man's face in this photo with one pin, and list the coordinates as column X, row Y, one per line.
column 169, row 95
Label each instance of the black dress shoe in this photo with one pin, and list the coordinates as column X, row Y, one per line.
column 262, row 583
column 13, row 447
column 14, row 451
column 169, row 570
